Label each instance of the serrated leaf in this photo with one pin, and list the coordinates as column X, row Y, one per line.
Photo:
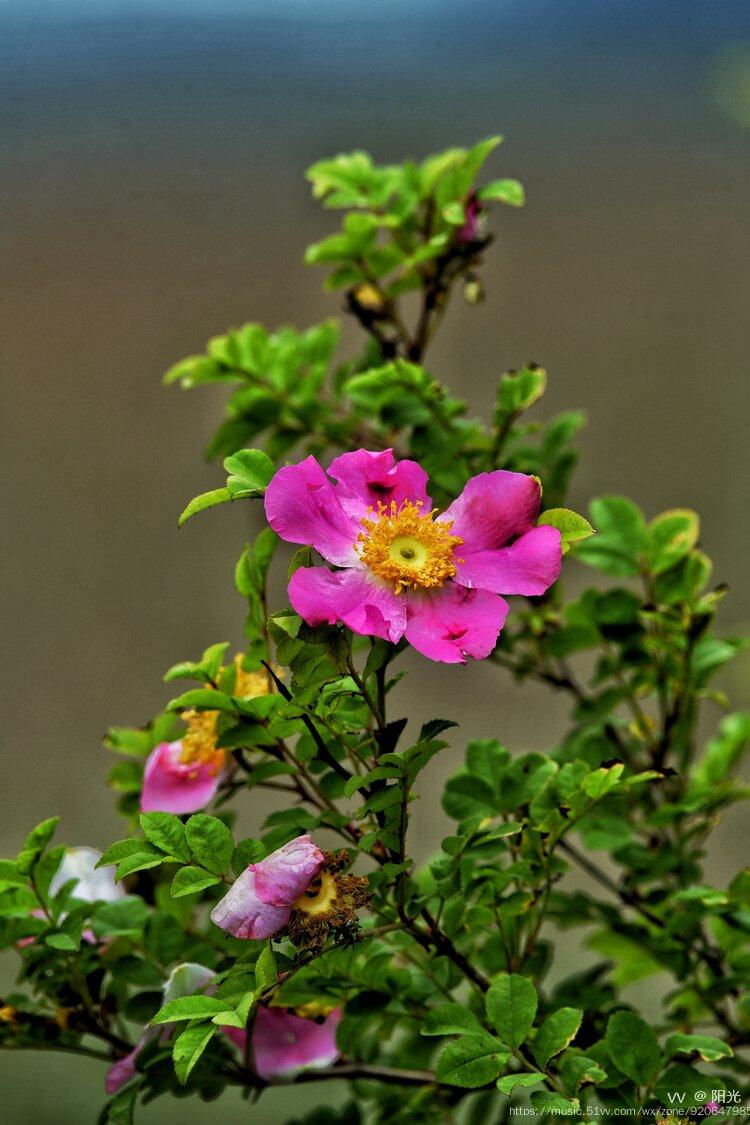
column 706, row 1046
column 201, row 503
column 557, row 1031
column 189, row 1008
column 511, row 1004
column 189, row 1046
column 633, row 1047
column 210, row 841
column 166, row 832
column 190, row 880
column 473, row 1060
column 522, row 1078
column 250, row 470
column 450, row 1019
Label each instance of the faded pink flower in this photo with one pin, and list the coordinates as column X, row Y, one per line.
column 175, row 781
column 402, row 571
column 259, row 902
column 285, row 1043
column 184, row 980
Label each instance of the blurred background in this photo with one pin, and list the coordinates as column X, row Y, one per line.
column 153, row 195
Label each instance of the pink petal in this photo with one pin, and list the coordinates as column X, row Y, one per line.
column 366, row 479
column 121, row 1072
column 282, row 876
column 243, row 912
column 170, row 785
column 302, row 507
column 529, row 566
column 454, row 623
column 352, row 596
column 493, row 509
column 284, row 1044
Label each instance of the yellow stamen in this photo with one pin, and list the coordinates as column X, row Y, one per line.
column 409, row 548
column 199, row 741
column 248, row 685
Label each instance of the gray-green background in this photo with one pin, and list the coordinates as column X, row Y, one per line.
column 152, row 195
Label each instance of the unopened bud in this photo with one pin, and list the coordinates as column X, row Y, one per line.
column 473, row 291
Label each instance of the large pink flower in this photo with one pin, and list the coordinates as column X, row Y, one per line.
column 402, row 571
column 259, row 902
column 285, row 1043
column 174, row 783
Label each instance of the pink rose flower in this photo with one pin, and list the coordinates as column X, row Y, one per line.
column 175, row 782
column 401, row 571
column 284, row 1043
column 259, row 902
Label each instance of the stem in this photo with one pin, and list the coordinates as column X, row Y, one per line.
column 373, row 706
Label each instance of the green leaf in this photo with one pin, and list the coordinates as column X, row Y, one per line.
column 557, row 1031
column 518, row 391
column 189, row 1008
column 686, row 1089
column 126, row 918
column 167, row 832
column 189, row 1046
column 142, row 860
column 450, row 1019
column 265, row 968
column 203, row 699
column 511, row 1003
column 599, row 782
column 621, row 535
column 546, row 1103
column 205, row 500
column 572, row 527
column 190, row 880
column 211, row 842
column 250, row 470
column 520, row 1078
column 669, row 537
column 503, row 191
column 471, row 1061
column 633, row 1047
column 723, row 752
column 706, row 1046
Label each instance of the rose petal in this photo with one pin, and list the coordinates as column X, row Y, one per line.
column 321, row 596
column 366, row 479
column 302, row 507
column 529, row 566
column 170, row 785
column 243, row 912
column 283, row 875
column 454, row 623
column 284, row 1044
column 493, row 509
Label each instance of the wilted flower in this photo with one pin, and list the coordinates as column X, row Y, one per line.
column 298, row 889
column 92, row 883
column 259, row 902
column 184, row 980
column 184, row 776
column 405, row 572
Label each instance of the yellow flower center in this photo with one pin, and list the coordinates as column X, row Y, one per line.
column 319, row 896
column 407, row 547
column 199, row 741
